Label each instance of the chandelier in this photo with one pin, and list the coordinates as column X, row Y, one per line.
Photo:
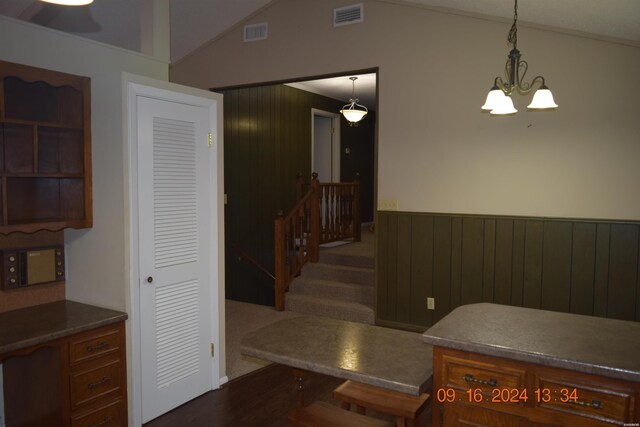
column 499, row 97
column 353, row 111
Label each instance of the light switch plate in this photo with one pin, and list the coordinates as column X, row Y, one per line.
column 431, row 303
column 388, row 204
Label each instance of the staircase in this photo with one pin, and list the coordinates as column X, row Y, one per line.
column 340, row 285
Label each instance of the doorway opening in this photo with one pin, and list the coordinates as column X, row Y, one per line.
column 325, row 145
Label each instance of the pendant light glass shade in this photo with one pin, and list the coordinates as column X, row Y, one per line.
column 542, row 99
column 69, row 2
column 505, row 107
column 352, row 114
column 494, row 99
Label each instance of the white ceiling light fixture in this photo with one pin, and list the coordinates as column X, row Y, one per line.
column 353, row 111
column 69, row 2
column 499, row 98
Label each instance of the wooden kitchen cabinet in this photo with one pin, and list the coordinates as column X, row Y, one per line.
column 71, row 380
column 495, row 391
column 45, row 150
column 499, row 365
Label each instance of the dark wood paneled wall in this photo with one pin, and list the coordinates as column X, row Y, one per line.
column 575, row 266
column 267, row 132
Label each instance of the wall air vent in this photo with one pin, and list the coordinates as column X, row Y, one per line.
column 255, row 32
column 348, row 15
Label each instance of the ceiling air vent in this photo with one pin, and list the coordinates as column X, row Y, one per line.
column 255, row 32
column 348, row 15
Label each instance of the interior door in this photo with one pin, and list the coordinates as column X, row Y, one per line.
column 175, row 207
column 325, row 154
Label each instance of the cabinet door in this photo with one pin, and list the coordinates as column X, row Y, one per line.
column 466, row 416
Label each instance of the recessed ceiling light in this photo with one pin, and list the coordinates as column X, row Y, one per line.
column 69, row 2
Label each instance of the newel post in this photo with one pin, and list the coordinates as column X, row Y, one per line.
column 357, row 219
column 280, row 260
column 314, row 220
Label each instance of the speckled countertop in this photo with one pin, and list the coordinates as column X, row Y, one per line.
column 587, row 344
column 35, row 325
column 396, row 360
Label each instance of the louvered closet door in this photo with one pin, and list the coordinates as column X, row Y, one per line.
column 174, row 206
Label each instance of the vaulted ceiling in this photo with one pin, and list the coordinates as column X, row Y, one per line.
column 195, row 22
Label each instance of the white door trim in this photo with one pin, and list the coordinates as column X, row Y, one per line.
column 132, row 87
column 335, row 149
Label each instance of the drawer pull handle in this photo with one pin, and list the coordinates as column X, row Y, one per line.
column 103, row 381
column 470, row 379
column 595, row 404
column 105, row 421
column 100, row 346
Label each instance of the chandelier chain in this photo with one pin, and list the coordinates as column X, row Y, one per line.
column 513, row 33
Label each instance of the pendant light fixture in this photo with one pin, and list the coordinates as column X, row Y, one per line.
column 69, row 2
column 499, row 98
column 353, row 111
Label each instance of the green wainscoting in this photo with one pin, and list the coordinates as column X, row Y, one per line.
column 576, row 266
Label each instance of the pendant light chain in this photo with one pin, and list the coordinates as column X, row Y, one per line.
column 513, row 33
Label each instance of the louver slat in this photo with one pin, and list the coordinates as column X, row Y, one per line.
column 176, row 332
column 174, row 192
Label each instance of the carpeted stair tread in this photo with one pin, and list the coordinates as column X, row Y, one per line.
column 339, row 273
column 353, row 292
column 329, row 257
column 328, row 307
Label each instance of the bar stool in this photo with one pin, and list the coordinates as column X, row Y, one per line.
column 401, row 405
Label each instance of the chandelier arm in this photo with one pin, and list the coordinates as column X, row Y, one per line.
column 502, row 86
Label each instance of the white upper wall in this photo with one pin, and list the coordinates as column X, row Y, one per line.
column 436, row 151
column 96, row 265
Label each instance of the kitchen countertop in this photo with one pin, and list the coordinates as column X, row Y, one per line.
column 39, row 324
column 388, row 358
column 592, row 345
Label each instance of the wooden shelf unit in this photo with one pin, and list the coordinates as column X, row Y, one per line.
column 45, row 150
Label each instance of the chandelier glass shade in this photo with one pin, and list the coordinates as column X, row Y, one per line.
column 499, row 100
column 69, row 2
column 353, row 111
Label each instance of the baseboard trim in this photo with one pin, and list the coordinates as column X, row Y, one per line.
column 403, row 326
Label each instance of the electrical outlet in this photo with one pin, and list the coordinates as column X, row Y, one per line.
column 431, row 303
column 388, row 204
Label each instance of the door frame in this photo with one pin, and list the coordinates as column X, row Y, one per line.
column 335, row 141
column 132, row 87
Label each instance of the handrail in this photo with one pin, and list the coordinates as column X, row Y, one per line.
column 252, row 261
column 325, row 213
column 295, row 241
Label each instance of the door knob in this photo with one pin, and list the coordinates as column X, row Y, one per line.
column 150, row 279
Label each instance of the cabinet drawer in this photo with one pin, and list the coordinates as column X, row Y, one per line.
column 100, row 381
column 586, row 398
column 110, row 415
column 464, row 374
column 93, row 346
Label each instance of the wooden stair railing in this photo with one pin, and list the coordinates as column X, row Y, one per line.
column 339, row 211
column 324, row 213
column 295, row 241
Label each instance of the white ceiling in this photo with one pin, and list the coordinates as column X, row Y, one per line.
column 195, row 22
column 341, row 88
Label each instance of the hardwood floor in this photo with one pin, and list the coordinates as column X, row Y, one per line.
column 260, row 399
